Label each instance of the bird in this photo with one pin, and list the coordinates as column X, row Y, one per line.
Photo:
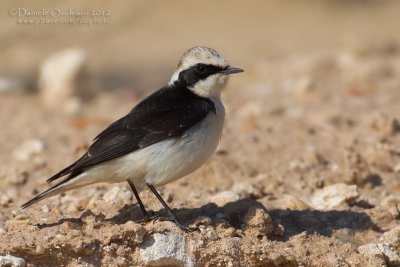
column 168, row 135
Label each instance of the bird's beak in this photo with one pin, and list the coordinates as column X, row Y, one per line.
column 230, row 70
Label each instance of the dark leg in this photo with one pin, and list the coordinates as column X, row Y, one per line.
column 170, row 212
column 146, row 215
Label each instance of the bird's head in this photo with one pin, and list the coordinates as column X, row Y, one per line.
column 204, row 71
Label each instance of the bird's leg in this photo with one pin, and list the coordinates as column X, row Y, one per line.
column 146, row 215
column 170, row 212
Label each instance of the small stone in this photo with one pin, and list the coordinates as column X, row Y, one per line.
column 334, row 196
column 293, row 203
column 12, row 261
column 397, row 168
column 279, row 230
column 345, row 235
column 258, row 222
column 8, row 85
column 119, row 196
column 380, row 253
column 277, row 258
column 62, row 76
column 298, row 165
column 38, row 250
column 357, row 169
column 45, row 208
column 5, row 199
column 203, row 221
column 165, row 249
column 210, row 233
column 246, row 190
column 16, row 177
column 385, row 125
column 392, row 237
column 28, row 149
column 224, row 230
column 314, row 158
column 392, row 204
column 286, row 202
column 225, row 197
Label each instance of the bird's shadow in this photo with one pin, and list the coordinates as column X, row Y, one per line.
column 294, row 221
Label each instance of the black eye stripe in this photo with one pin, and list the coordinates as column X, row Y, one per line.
column 198, row 72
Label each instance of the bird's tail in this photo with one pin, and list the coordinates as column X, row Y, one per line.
column 55, row 190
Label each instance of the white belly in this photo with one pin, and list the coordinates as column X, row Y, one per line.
column 170, row 159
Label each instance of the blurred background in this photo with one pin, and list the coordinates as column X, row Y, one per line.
column 143, row 40
column 311, row 131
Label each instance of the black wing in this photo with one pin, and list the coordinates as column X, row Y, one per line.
column 167, row 113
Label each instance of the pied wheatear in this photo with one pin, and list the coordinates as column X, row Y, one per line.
column 168, row 135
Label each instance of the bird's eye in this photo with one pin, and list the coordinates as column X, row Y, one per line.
column 201, row 68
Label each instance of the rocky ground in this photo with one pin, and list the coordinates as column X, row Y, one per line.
column 306, row 174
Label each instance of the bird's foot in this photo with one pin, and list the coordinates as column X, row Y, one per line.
column 187, row 229
column 151, row 216
column 148, row 216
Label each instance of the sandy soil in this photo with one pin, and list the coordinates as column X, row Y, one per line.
column 306, row 174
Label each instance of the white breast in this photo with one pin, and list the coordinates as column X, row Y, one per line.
column 167, row 160
column 173, row 159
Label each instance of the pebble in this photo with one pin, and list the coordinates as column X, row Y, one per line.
column 380, row 253
column 62, row 76
column 5, row 199
column 11, row 85
column 287, row 202
column 45, row 208
column 279, row 230
column 385, row 125
column 392, row 204
column 334, row 196
column 119, row 196
column 396, row 168
column 225, row 197
column 224, row 230
column 28, row 149
column 246, row 190
column 18, row 178
column 357, row 170
column 257, row 222
column 12, row 261
column 165, row 249
column 392, row 237
column 345, row 235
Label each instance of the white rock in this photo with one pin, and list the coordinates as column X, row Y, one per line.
column 28, row 149
column 392, row 237
column 11, row 85
column 334, row 196
column 381, row 251
column 12, row 261
column 246, row 190
column 118, row 195
column 225, row 197
column 165, row 249
column 62, row 76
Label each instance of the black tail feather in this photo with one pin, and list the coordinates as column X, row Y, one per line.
column 54, row 190
column 41, row 196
